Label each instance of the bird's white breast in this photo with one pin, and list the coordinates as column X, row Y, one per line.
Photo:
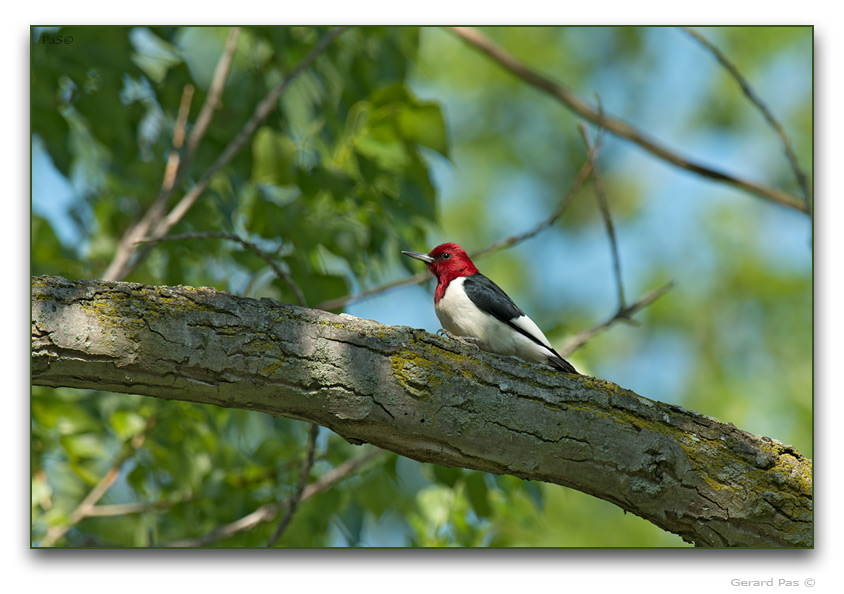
column 460, row 316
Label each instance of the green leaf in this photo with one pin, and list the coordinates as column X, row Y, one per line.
column 66, row 418
column 377, row 494
column 48, row 255
column 83, row 445
column 300, row 103
column 423, row 124
column 478, row 494
column 398, row 122
column 154, row 55
column 334, row 181
column 201, row 48
column 40, row 489
column 447, row 475
column 274, row 158
column 316, row 287
column 86, row 469
column 127, row 424
column 139, row 478
column 386, row 151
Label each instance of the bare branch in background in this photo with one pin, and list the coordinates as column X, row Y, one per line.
column 339, row 302
column 279, row 272
column 601, row 197
column 121, row 265
column 623, row 313
column 83, row 510
column 262, row 112
column 617, row 126
column 162, row 224
column 175, row 157
column 266, row 513
column 304, row 473
column 585, row 170
column 766, row 113
column 123, row 509
column 213, row 101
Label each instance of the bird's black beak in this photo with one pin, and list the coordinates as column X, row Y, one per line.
column 420, row 256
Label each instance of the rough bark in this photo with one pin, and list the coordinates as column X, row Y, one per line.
column 428, row 398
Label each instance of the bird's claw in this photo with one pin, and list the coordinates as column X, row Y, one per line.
column 467, row 340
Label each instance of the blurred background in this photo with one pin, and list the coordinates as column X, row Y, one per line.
column 402, row 138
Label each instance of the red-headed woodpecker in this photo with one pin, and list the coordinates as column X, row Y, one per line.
column 470, row 305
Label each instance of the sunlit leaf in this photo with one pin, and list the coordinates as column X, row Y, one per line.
column 275, row 158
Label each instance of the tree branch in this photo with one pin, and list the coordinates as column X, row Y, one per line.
column 282, row 275
column 604, row 207
column 623, row 313
column 304, row 473
column 213, row 100
column 262, row 112
column 266, row 513
column 121, row 265
column 159, row 225
column 124, row 509
column 616, row 126
column 174, row 159
column 427, row 398
column 766, row 113
column 585, row 170
column 87, row 505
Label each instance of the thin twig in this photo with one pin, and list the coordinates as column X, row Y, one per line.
column 126, row 247
column 83, row 510
column 419, row 277
column 214, row 98
column 601, row 197
column 174, row 158
column 122, row 263
column 293, row 502
column 615, row 125
column 622, row 314
column 266, row 513
column 162, row 225
column 280, row 273
column 507, row 242
column 766, row 113
column 262, row 112
column 580, row 179
column 124, row 509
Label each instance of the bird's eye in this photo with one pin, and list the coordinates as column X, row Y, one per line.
column 446, row 256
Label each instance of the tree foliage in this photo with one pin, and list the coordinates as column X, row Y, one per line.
column 395, row 138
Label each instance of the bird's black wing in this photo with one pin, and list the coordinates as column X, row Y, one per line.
column 492, row 299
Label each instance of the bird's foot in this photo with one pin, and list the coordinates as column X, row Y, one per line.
column 467, row 340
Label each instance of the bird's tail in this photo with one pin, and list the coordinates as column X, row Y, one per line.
column 561, row 364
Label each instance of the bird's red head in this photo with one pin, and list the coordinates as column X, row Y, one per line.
column 450, row 261
column 447, row 261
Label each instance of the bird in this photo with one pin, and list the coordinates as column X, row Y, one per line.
column 472, row 307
